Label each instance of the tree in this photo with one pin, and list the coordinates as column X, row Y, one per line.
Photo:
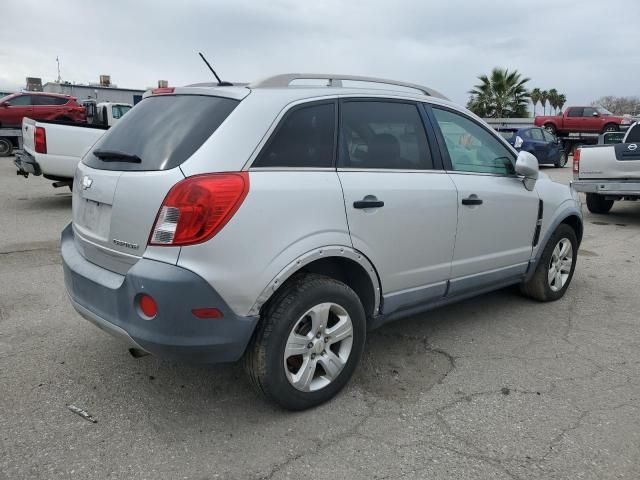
column 619, row 105
column 553, row 99
column 535, row 95
column 501, row 95
column 562, row 99
column 544, row 96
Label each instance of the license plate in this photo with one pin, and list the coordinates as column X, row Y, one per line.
column 95, row 217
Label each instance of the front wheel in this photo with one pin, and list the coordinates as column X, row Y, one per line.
column 555, row 268
column 551, row 128
column 598, row 204
column 5, row 147
column 610, row 127
column 562, row 161
column 308, row 343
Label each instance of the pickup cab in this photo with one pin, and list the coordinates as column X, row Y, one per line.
column 53, row 149
column 582, row 120
column 608, row 173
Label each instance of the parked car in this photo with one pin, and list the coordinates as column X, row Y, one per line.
column 542, row 144
column 582, row 120
column 39, row 106
column 279, row 224
column 53, row 150
column 609, row 173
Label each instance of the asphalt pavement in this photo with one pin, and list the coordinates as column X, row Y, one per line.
column 496, row 387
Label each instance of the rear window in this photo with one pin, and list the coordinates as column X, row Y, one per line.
column 161, row 132
column 507, row 134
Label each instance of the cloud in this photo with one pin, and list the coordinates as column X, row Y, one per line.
column 585, row 49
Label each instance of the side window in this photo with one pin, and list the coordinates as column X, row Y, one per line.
column 536, row 134
column 527, row 134
column 548, row 136
column 575, row 112
column 634, row 133
column 471, row 147
column 22, row 100
column 588, row 112
column 305, row 138
column 387, row 135
column 43, row 100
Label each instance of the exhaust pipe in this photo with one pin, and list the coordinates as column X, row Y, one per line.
column 138, row 353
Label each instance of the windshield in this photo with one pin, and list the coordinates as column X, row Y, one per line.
column 119, row 110
column 160, row 133
column 603, row 111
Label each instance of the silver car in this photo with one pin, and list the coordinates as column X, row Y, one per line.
column 277, row 223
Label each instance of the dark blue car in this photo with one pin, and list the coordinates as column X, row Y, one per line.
column 544, row 145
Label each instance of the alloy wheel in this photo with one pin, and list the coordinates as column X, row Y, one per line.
column 318, row 347
column 560, row 265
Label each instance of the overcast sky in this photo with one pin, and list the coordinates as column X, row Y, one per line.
column 583, row 48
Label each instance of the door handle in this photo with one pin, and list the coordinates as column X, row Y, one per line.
column 472, row 200
column 368, row 202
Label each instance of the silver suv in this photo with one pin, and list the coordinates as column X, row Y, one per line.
column 278, row 223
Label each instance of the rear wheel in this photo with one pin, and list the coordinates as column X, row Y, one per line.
column 555, row 268
column 610, row 127
column 562, row 161
column 551, row 128
column 308, row 343
column 598, row 204
column 5, row 147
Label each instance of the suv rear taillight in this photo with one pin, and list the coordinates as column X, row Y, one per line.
column 576, row 162
column 198, row 207
column 40, row 140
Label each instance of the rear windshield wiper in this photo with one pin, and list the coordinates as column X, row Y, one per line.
column 116, row 156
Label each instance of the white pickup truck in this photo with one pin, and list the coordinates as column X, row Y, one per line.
column 53, row 149
column 607, row 173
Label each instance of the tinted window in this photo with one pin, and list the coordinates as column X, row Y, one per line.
column 42, row 100
column 21, row 100
column 548, row 136
column 536, row 134
column 471, row 148
column 588, row 112
column 383, row 135
column 527, row 134
column 507, row 134
column 634, row 133
column 119, row 110
column 575, row 112
column 163, row 131
column 305, row 138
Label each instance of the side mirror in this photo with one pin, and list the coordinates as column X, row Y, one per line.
column 5, row 105
column 595, row 114
column 527, row 166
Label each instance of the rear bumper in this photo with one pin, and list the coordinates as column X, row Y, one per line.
column 26, row 164
column 608, row 187
column 107, row 299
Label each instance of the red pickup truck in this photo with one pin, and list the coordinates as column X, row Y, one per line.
column 582, row 120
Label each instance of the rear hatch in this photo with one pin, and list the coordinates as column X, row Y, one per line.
column 619, row 162
column 120, row 184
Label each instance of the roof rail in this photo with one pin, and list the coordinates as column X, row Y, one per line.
column 285, row 79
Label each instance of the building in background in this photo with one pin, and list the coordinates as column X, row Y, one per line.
column 104, row 91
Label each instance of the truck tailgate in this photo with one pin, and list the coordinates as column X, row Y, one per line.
column 621, row 161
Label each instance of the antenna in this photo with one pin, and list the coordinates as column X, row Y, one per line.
column 220, row 82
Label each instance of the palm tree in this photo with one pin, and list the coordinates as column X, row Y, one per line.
column 535, row 98
column 544, row 96
column 502, row 94
column 562, row 99
column 553, row 99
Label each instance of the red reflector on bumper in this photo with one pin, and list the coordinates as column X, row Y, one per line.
column 207, row 313
column 148, row 305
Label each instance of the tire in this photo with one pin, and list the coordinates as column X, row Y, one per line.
column 551, row 128
column 598, row 204
column 6, row 147
column 610, row 127
column 562, row 161
column 540, row 286
column 284, row 324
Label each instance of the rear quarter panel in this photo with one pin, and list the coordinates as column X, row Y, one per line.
column 285, row 215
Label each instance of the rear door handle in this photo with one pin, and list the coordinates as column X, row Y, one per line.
column 368, row 202
column 472, row 200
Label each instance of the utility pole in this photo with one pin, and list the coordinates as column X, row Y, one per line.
column 58, row 62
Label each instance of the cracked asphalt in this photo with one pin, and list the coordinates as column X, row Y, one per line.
column 496, row 387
